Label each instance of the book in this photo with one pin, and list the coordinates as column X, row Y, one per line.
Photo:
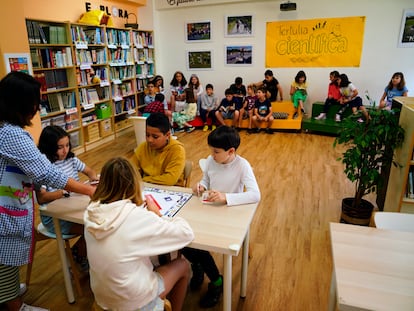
column 92, row 96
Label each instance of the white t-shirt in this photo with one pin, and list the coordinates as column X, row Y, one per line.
column 236, row 179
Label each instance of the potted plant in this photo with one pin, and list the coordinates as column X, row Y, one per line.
column 370, row 150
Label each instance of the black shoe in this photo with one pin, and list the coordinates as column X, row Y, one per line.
column 212, row 297
column 257, row 130
column 198, row 276
column 269, row 131
column 295, row 115
column 250, row 131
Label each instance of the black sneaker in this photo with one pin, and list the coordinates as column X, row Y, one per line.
column 198, row 276
column 257, row 130
column 190, row 129
column 269, row 131
column 212, row 297
column 250, row 131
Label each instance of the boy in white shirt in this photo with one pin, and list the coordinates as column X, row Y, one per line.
column 227, row 179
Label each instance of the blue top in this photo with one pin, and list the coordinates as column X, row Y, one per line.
column 21, row 164
column 394, row 92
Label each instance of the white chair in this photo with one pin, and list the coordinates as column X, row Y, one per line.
column 202, row 163
column 187, row 173
column 394, row 221
column 139, row 128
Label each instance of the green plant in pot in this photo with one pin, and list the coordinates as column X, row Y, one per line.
column 370, row 149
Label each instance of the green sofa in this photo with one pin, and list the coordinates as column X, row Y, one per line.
column 329, row 125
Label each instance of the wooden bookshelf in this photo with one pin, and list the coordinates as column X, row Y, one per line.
column 85, row 68
column 399, row 197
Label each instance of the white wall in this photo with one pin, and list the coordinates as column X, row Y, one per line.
column 380, row 56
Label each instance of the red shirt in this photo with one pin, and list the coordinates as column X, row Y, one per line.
column 333, row 91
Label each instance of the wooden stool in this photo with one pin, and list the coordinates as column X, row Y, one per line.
column 41, row 233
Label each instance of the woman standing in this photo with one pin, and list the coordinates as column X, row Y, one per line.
column 21, row 164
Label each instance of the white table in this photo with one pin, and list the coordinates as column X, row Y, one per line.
column 220, row 229
column 373, row 269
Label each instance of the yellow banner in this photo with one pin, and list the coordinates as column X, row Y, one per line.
column 323, row 42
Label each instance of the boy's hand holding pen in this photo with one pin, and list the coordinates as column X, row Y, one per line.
column 199, row 189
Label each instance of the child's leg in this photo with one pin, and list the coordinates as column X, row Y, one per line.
column 80, row 244
column 256, row 121
column 205, row 259
column 270, row 122
column 236, row 114
column 219, row 117
column 241, row 114
column 250, row 118
column 175, row 275
column 364, row 112
column 172, row 103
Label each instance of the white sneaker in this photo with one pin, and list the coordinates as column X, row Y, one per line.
column 23, row 289
column 322, row 116
column 337, row 118
column 26, row 307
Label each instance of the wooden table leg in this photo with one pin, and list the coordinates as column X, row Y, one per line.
column 63, row 260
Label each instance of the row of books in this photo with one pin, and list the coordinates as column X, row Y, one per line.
column 45, row 34
column 92, row 96
column 55, row 102
column 141, row 85
column 120, row 56
column 52, row 80
column 142, row 39
column 51, row 57
column 143, row 71
column 118, row 37
column 93, row 56
column 121, row 72
column 67, row 122
column 128, row 104
column 84, row 77
column 88, row 35
column 143, row 55
column 121, row 90
column 410, row 185
column 88, row 118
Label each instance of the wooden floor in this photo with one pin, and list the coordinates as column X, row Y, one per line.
column 302, row 185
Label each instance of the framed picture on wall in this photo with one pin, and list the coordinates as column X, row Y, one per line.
column 406, row 38
column 238, row 55
column 239, row 26
column 198, row 31
column 199, row 60
column 18, row 62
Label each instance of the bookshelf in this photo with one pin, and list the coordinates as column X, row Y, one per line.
column 144, row 61
column 122, row 76
column 400, row 194
column 52, row 62
column 92, row 77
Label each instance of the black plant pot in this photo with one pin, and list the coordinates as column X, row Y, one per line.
column 360, row 215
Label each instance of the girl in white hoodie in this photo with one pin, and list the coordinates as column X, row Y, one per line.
column 121, row 234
